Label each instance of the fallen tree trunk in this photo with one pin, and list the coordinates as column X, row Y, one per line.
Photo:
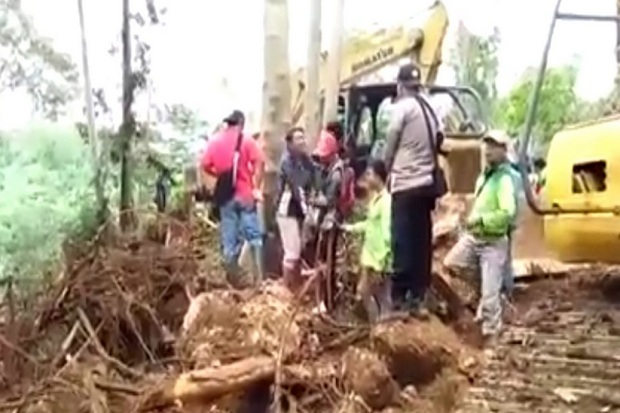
column 428, row 345
column 209, row 384
column 206, row 385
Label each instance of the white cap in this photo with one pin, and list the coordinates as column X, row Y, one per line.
column 497, row 136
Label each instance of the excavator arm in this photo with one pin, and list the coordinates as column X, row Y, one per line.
column 369, row 53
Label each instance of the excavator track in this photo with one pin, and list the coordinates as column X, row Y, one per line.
column 559, row 354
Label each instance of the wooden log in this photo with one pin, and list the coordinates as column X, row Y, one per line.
column 367, row 376
column 209, row 384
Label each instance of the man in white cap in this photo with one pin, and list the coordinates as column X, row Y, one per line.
column 484, row 244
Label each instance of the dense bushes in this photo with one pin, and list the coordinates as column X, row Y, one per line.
column 46, row 195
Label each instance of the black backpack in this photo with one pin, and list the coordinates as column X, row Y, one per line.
column 224, row 189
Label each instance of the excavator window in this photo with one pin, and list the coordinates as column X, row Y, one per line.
column 362, row 105
column 365, row 132
column 590, row 177
column 366, row 108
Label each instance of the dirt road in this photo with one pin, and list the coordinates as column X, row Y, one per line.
column 560, row 353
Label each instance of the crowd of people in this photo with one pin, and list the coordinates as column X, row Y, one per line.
column 315, row 196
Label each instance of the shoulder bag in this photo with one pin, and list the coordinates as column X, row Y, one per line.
column 224, row 189
column 440, row 184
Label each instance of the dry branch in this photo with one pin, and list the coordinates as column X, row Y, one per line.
column 208, row 384
column 118, row 365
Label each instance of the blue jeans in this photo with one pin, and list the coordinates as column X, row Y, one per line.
column 238, row 222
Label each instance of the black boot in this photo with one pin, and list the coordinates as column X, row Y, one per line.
column 416, row 306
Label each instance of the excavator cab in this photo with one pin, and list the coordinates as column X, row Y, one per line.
column 363, row 109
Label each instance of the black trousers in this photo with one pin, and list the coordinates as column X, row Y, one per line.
column 412, row 237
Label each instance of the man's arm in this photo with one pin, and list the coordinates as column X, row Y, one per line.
column 499, row 220
column 393, row 134
column 206, row 161
column 257, row 163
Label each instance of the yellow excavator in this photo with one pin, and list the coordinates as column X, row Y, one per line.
column 367, row 54
column 359, row 104
column 580, row 206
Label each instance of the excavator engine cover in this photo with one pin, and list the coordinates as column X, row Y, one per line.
column 583, row 179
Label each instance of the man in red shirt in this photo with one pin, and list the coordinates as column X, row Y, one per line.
column 238, row 217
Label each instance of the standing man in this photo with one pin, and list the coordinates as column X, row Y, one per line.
column 515, row 173
column 235, row 160
column 411, row 159
column 484, row 244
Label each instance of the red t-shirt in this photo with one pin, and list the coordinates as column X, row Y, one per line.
column 218, row 158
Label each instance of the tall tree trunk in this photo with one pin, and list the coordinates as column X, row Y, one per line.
column 615, row 96
column 276, row 117
column 617, row 80
column 334, row 60
column 128, row 126
column 313, row 64
column 102, row 204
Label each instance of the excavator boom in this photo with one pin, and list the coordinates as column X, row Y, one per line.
column 369, row 53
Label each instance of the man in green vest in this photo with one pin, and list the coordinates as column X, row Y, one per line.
column 484, row 243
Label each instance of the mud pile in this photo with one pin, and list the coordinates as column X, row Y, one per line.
column 139, row 325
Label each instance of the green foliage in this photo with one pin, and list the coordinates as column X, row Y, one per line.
column 184, row 120
column 475, row 63
column 31, row 63
column 558, row 104
column 47, row 196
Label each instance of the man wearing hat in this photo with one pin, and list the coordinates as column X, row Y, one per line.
column 484, row 244
column 410, row 155
column 230, row 149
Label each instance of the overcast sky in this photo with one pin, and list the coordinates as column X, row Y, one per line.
column 205, row 42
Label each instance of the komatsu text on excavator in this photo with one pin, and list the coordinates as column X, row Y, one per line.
column 359, row 102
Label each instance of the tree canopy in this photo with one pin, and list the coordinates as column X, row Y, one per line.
column 558, row 103
column 31, row 63
column 475, row 63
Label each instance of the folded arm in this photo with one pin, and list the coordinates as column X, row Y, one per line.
column 500, row 219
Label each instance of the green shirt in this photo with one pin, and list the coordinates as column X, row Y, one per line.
column 495, row 205
column 376, row 249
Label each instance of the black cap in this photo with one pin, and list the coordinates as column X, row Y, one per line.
column 409, row 74
column 235, row 118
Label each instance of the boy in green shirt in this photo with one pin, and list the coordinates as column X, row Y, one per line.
column 373, row 289
column 485, row 242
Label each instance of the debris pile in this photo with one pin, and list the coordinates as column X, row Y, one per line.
column 127, row 329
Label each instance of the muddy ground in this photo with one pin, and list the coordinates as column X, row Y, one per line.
column 148, row 323
column 559, row 352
